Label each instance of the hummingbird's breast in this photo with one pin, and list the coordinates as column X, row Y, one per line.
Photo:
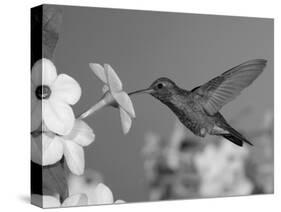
column 191, row 113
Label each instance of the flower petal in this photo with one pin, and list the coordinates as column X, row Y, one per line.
column 66, row 89
column 36, row 149
column 43, row 72
column 81, row 133
column 114, row 82
column 36, row 116
column 50, row 202
column 103, row 195
column 36, row 73
column 99, row 71
column 126, row 120
column 58, row 116
column 52, row 149
column 74, row 155
column 125, row 102
column 75, row 200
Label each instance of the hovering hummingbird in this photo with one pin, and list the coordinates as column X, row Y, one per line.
column 198, row 109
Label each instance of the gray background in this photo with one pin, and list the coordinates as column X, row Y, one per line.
column 142, row 46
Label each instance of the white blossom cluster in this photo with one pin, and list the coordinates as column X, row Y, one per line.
column 56, row 132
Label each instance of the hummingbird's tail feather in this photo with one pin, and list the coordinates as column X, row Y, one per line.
column 235, row 137
column 222, row 128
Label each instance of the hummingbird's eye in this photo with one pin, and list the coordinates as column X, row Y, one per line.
column 160, row 85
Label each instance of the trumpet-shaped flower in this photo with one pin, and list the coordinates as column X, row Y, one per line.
column 54, row 202
column 53, row 147
column 113, row 95
column 51, row 97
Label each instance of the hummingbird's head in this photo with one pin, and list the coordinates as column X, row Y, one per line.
column 162, row 89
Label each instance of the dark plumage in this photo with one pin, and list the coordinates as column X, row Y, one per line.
column 198, row 109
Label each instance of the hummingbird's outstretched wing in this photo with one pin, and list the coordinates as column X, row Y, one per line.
column 224, row 88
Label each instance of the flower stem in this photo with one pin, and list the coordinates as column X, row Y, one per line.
column 102, row 103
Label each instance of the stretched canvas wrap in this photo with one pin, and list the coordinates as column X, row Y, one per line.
column 135, row 106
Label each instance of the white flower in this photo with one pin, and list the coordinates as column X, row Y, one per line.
column 113, row 95
column 71, row 146
column 53, row 202
column 85, row 183
column 97, row 193
column 51, row 97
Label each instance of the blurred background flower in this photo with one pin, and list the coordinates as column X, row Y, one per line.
column 184, row 166
column 51, row 97
column 50, row 147
column 113, row 95
column 260, row 163
column 221, row 170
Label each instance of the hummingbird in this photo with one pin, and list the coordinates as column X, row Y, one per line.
column 198, row 109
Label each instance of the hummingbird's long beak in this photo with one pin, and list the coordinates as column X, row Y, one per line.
column 147, row 90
